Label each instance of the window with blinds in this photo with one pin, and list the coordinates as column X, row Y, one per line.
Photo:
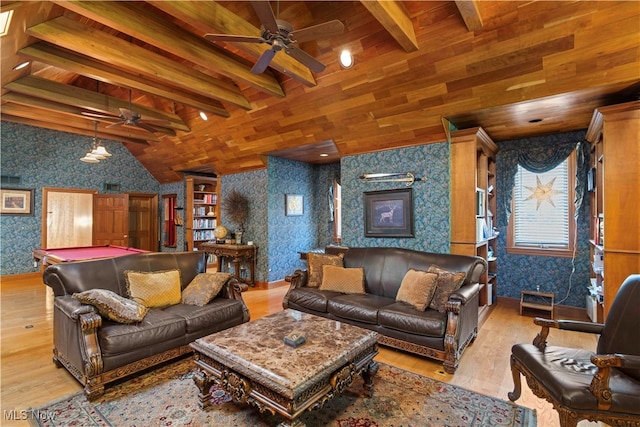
column 542, row 219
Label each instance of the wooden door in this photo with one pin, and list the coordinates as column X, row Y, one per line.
column 111, row 219
column 143, row 221
column 66, row 217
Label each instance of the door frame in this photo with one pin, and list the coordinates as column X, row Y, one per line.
column 154, row 220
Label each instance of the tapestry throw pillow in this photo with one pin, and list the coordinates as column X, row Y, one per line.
column 154, row 289
column 340, row 279
column 113, row 306
column 203, row 288
column 417, row 288
column 448, row 282
column 316, row 261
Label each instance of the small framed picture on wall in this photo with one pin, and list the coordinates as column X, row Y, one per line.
column 293, row 204
column 16, row 201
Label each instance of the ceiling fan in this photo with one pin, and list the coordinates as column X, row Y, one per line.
column 280, row 35
column 128, row 117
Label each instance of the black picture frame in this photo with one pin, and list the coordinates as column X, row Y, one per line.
column 16, row 201
column 388, row 213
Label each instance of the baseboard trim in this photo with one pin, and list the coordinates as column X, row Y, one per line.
column 270, row 285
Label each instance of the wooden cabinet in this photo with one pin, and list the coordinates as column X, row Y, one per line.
column 473, row 202
column 202, row 210
column 615, row 216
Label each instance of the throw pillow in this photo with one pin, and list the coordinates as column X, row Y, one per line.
column 340, row 279
column 447, row 283
column 203, row 288
column 316, row 261
column 417, row 288
column 113, row 306
column 154, row 289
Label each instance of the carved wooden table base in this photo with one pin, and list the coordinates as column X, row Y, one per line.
column 281, row 379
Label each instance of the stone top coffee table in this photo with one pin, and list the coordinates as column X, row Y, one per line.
column 253, row 364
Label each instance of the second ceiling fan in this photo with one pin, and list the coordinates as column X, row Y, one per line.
column 280, row 35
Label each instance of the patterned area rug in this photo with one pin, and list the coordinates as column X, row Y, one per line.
column 167, row 396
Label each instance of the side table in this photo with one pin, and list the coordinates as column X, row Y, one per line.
column 238, row 254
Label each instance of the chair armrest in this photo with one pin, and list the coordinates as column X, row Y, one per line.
column 465, row 293
column 600, row 383
column 540, row 340
column 616, row 360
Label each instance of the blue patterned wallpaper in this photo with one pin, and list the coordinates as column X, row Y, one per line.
column 47, row 158
column 430, row 199
column 253, row 185
column 553, row 274
column 290, row 234
column 280, row 237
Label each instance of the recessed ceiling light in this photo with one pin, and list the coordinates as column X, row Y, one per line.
column 324, row 155
column 21, row 65
column 346, row 59
column 535, row 120
column 203, row 115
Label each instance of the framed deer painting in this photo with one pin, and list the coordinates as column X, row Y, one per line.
column 388, row 213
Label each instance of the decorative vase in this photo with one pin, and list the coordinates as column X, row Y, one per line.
column 238, row 237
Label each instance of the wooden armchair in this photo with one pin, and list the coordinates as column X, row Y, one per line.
column 597, row 386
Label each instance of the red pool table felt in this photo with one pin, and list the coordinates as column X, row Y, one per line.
column 82, row 253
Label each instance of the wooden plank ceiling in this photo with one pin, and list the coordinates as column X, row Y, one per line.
column 518, row 69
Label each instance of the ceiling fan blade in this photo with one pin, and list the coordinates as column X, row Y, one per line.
column 232, row 38
column 99, row 116
column 263, row 62
column 306, row 59
column 128, row 114
column 114, row 125
column 320, row 31
column 147, row 127
column 266, row 16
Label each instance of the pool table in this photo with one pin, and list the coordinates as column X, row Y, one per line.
column 81, row 253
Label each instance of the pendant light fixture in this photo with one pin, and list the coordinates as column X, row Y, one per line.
column 98, row 152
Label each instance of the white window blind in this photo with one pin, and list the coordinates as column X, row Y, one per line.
column 541, row 208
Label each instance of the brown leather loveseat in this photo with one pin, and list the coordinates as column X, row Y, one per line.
column 97, row 350
column 432, row 333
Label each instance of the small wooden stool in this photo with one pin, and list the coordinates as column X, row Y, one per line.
column 546, row 304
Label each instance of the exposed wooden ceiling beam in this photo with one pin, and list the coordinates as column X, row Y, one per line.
column 89, row 100
column 71, row 61
column 15, row 117
column 74, row 114
column 470, row 14
column 132, row 18
column 113, row 50
column 394, row 18
column 211, row 17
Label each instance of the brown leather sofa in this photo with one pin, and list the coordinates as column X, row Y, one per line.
column 441, row 336
column 96, row 350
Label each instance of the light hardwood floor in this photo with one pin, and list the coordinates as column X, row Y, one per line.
column 30, row 379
